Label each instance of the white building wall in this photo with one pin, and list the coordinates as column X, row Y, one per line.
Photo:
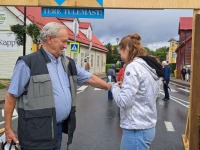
column 69, row 24
column 8, row 57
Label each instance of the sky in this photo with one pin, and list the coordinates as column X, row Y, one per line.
column 156, row 27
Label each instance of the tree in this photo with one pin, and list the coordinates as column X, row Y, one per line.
column 112, row 56
column 159, row 53
column 150, row 52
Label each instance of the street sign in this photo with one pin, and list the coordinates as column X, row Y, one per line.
column 74, row 47
column 61, row 12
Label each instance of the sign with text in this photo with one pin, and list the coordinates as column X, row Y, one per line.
column 72, row 12
column 74, row 47
column 8, row 42
column 2, row 18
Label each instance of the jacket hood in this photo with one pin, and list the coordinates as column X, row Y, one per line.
column 151, row 64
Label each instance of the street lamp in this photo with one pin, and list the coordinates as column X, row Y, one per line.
column 117, row 39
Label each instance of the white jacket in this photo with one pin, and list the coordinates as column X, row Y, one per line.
column 137, row 96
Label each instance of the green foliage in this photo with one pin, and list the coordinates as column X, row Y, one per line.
column 107, row 67
column 159, row 53
column 150, row 52
column 172, row 67
column 2, row 86
column 19, row 30
column 112, row 56
column 34, row 32
column 116, row 65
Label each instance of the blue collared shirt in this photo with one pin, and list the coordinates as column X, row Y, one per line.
column 59, row 79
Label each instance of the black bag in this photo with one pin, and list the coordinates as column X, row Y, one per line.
column 12, row 145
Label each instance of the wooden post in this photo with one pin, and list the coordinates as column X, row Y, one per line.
column 195, row 84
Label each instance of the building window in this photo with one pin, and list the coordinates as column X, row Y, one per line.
column 75, row 58
column 98, row 60
column 91, row 60
column 82, row 59
column 174, row 55
column 102, row 64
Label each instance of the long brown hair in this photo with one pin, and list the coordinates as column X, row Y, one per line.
column 134, row 45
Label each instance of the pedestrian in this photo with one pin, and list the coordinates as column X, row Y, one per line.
column 120, row 76
column 44, row 86
column 166, row 80
column 87, row 66
column 188, row 74
column 137, row 96
column 111, row 77
column 183, row 73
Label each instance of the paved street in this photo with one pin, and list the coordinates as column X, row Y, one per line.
column 98, row 120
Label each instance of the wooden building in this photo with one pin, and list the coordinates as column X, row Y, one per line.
column 185, row 44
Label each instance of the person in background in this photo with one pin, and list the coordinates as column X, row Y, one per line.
column 188, row 74
column 44, row 86
column 121, row 73
column 183, row 72
column 136, row 97
column 87, row 66
column 166, row 80
column 111, row 77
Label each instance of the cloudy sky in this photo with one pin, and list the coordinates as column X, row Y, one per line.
column 156, row 27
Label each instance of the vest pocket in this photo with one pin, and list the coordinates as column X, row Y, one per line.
column 41, row 86
column 39, row 125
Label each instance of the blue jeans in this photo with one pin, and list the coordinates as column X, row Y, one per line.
column 165, row 86
column 59, row 134
column 137, row 139
column 110, row 96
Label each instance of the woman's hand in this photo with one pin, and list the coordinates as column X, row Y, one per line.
column 119, row 83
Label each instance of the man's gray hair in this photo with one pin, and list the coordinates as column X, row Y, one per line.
column 51, row 29
column 164, row 63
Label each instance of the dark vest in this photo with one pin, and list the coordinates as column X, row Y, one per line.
column 37, row 126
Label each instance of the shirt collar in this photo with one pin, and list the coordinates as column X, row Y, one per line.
column 52, row 57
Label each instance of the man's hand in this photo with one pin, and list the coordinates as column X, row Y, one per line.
column 10, row 135
column 10, row 102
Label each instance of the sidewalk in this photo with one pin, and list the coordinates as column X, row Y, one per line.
column 179, row 82
column 103, row 76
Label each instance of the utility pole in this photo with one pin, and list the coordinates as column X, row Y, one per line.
column 24, row 44
column 75, row 30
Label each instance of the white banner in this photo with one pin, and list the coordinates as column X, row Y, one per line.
column 8, row 42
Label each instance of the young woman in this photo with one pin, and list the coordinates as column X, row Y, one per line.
column 137, row 95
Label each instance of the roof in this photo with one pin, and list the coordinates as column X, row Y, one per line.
column 84, row 25
column 185, row 23
column 183, row 43
column 67, row 19
column 171, row 40
column 34, row 15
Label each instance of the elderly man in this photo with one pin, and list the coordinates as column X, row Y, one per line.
column 44, row 86
column 166, row 80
